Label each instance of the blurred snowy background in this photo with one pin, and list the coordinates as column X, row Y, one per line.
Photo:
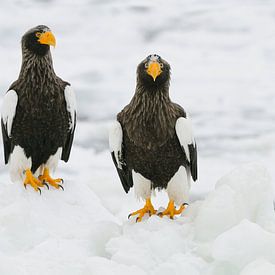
column 222, row 55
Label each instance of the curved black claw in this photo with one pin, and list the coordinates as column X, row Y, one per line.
column 129, row 216
column 44, row 183
column 39, row 190
column 62, row 181
column 25, row 185
column 60, row 186
column 160, row 214
column 185, row 204
column 137, row 219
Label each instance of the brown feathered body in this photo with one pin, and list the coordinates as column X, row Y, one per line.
column 150, row 144
column 42, row 122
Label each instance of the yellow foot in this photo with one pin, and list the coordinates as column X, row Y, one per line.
column 47, row 179
column 33, row 181
column 171, row 210
column 148, row 208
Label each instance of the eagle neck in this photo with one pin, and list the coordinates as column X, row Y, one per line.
column 150, row 103
column 37, row 69
column 149, row 118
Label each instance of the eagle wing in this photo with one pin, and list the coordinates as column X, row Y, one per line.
column 7, row 115
column 185, row 136
column 71, row 109
column 116, row 148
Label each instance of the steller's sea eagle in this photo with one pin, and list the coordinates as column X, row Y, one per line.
column 38, row 114
column 152, row 143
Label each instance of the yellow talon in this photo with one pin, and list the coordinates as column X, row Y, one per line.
column 148, row 208
column 171, row 210
column 48, row 179
column 32, row 180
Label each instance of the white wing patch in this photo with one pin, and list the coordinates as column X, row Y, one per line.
column 115, row 141
column 185, row 134
column 71, row 104
column 9, row 109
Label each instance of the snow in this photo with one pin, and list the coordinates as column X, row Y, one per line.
column 84, row 230
column 243, row 244
column 245, row 193
column 260, row 266
column 222, row 57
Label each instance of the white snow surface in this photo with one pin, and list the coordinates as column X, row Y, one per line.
column 222, row 55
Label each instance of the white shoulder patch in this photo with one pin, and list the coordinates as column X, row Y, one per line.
column 71, row 103
column 115, row 140
column 9, row 109
column 185, row 134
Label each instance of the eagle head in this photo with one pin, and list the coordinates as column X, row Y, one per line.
column 38, row 40
column 153, row 71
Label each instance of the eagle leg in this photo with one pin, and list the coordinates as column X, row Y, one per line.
column 171, row 210
column 33, row 181
column 46, row 178
column 148, row 208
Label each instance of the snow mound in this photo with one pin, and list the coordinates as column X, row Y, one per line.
column 84, row 230
column 244, row 243
column 218, row 230
column 245, row 193
column 98, row 265
column 257, row 267
column 160, row 245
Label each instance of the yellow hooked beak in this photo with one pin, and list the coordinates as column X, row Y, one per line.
column 154, row 70
column 47, row 38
